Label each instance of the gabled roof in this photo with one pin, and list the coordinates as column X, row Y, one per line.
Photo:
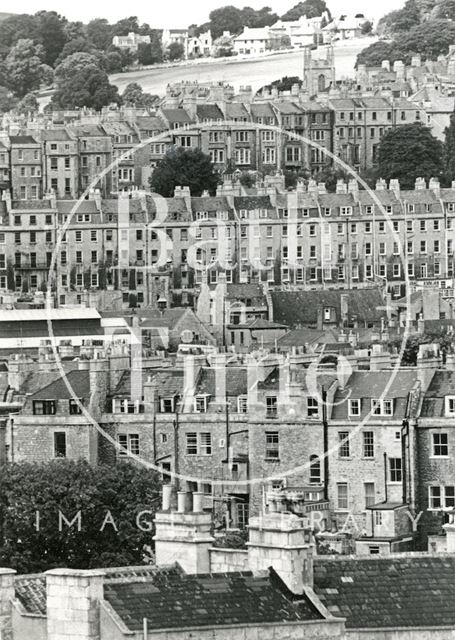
column 236, row 110
column 210, row 203
column 168, row 318
column 262, row 110
column 209, row 112
column 388, row 592
column 22, row 140
column 57, row 390
column 252, row 203
column 176, row 116
column 88, row 131
column 55, row 135
column 236, row 381
column 372, row 385
column 176, row 600
column 301, row 307
column 442, row 385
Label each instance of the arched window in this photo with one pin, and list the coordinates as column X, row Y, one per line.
column 315, row 470
column 321, row 82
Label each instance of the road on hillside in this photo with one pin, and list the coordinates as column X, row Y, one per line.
column 256, row 73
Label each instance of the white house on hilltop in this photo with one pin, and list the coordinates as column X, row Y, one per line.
column 253, row 41
column 131, row 41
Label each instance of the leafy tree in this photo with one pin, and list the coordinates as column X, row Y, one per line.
column 431, row 39
column 367, row 27
column 100, row 33
column 24, row 68
column 82, row 83
column 258, row 19
column 7, row 100
column 374, row 54
column 176, row 51
column 28, row 104
column 411, row 349
column 247, row 179
column 226, row 18
column 409, row 152
column 150, row 53
column 68, row 487
column 184, row 167
column 285, row 84
column 125, row 26
column 75, row 45
column 134, row 96
column 308, row 8
column 113, row 62
column 449, row 148
column 401, row 20
column 444, row 10
column 51, row 34
column 15, row 28
column 330, row 175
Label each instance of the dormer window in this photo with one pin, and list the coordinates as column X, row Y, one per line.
column 450, row 405
column 346, row 211
column 242, row 404
column 200, row 404
column 354, row 407
column 326, row 211
column 382, row 407
column 167, row 405
column 74, row 407
column 44, row 407
column 243, row 213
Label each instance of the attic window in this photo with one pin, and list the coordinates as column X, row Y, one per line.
column 167, row 405
column 450, row 405
column 74, row 407
column 200, row 404
column 44, row 407
column 312, row 407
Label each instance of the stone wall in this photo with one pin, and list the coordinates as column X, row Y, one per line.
column 226, row 560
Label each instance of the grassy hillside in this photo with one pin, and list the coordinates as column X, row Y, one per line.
column 4, row 15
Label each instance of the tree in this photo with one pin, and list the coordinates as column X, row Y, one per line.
column 151, row 53
column 411, row 349
column 399, row 21
column 184, row 167
column 449, row 148
column 227, row 18
column 100, row 33
column 176, row 51
column 75, row 45
column 258, row 19
column 82, row 83
column 285, row 84
column 70, row 487
column 408, row 152
column 24, row 68
column 367, row 27
column 374, row 54
column 309, row 8
column 28, row 104
column 51, row 34
column 134, row 96
column 125, row 26
column 7, row 100
column 15, row 28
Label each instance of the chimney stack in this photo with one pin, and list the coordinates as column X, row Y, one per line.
column 184, row 536
column 73, row 604
column 6, row 603
column 281, row 541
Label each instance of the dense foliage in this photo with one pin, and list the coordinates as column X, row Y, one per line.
column 68, row 487
column 421, row 26
column 308, row 8
column 184, row 167
column 409, row 152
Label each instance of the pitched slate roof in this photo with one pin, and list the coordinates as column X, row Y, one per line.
column 22, row 140
column 252, row 202
column 244, row 291
column 300, row 307
column 368, row 385
column 176, row 600
column 209, row 112
column 388, row 592
column 236, row 381
column 78, row 380
column 176, row 115
column 55, row 135
column 442, row 384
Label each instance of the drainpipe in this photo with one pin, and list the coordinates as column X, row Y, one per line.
column 325, row 428
column 404, row 438
column 385, row 477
